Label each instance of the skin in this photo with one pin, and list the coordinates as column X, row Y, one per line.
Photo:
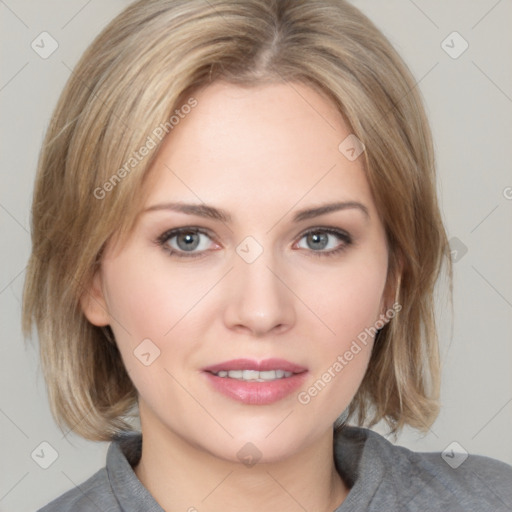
column 262, row 154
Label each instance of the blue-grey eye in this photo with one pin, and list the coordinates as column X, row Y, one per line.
column 317, row 240
column 188, row 240
column 322, row 240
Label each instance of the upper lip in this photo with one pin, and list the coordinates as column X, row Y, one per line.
column 251, row 364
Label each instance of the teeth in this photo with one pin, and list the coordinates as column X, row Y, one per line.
column 249, row 374
column 254, row 375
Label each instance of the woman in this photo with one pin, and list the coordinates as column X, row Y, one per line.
column 236, row 238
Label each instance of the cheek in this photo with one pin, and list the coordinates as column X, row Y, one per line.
column 155, row 309
column 148, row 300
column 349, row 304
column 359, row 301
column 349, row 298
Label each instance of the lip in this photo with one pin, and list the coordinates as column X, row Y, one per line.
column 261, row 366
column 256, row 393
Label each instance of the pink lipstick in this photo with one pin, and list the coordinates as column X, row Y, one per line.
column 256, row 382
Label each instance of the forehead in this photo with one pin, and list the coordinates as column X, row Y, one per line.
column 266, row 146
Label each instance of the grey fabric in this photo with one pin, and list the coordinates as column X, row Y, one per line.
column 383, row 477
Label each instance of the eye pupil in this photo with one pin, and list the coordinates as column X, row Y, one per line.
column 187, row 242
column 318, row 241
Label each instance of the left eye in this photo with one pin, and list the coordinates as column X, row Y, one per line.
column 324, row 240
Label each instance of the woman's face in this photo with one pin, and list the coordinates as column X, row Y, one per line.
column 259, row 249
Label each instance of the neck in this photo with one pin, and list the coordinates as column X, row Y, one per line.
column 184, row 477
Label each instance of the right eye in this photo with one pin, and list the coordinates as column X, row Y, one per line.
column 185, row 242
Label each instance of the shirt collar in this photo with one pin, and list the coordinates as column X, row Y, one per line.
column 355, row 451
column 358, row 461
column 123, row 454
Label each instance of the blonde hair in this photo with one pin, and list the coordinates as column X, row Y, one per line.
column 145, row 65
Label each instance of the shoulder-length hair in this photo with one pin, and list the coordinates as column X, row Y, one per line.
column 140, row 72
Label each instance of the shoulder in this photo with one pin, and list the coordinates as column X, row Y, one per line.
column 113, row 488
column 92, row 495
column 473, row 483
column 476, row 482
column 426, row 481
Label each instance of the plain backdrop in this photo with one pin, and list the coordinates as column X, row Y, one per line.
column 468, row 95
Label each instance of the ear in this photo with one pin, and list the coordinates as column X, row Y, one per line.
column 93, row 303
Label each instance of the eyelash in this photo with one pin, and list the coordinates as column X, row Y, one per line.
column 162, row 240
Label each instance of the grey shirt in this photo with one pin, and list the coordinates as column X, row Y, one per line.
column 382, row 477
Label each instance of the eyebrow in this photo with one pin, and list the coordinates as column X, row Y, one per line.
column 210, row 212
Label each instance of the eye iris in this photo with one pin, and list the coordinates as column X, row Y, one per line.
column 318, row 241
column 187, row 241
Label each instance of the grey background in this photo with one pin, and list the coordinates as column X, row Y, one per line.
column 469, row 100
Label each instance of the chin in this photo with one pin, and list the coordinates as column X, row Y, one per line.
column 269, row 440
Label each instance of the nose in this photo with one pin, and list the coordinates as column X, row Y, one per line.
column 260, row 301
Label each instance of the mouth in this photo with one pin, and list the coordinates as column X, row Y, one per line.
column 253, row 375
column 256, row 382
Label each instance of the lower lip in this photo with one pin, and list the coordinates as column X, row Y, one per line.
column 257, row 393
